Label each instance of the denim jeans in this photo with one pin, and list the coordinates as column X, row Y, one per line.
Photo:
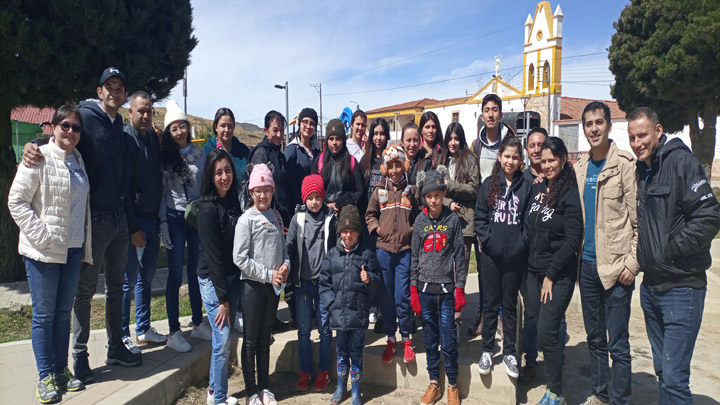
column 395, row 297
column 259, row 307
column 138, row 278
column 350, row 345
column 52, row 290
column 182, row 233
column 220, row 358
column 110, row 241
column 530, row 331
column 672, row 320
column 307, row 302
column 607, row 317
column 549, row 317
column 439, row 328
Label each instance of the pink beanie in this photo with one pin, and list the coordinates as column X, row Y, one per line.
column 261, row 176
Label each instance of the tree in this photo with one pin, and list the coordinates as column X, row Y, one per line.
column 53, row 52
column 666, row 55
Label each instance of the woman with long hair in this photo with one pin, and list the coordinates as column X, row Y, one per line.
column 341, row 174
column 431, row 137
column 218, row 276
column 410, row 140
column 182, row 165
column 372, row 157
column 50, row 204
column 555, row 228
column 300, row 153
column 224, row 138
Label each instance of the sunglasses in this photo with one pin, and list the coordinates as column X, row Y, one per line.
column 67, row 127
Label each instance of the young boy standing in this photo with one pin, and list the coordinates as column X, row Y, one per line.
column 437, row 283
column 349, row 272
column 310, row 236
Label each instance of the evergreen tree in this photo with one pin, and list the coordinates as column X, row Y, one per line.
column 53, row 52
column 666, row 55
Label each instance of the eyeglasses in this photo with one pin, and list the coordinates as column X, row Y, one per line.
column 180, row 127
column 262, row 191
column 67, row 127
column 309, row 123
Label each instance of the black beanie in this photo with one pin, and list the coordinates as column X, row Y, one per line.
column 349, row 219
column 308, row 113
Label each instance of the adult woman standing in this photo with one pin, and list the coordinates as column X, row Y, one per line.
column 432, row 137
column 555, row 227
column 340, row 172
column 182, row 164
column 300, row 153
column 49, row 202
column 372, row 155
column 218, row 276
column 224, row 129
column 410, row 140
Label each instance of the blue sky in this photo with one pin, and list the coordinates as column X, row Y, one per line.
column 355, row 48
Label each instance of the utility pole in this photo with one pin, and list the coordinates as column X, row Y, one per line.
column 318, row 87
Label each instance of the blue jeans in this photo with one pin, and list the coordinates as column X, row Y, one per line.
column 349, row 345
column 52, row 290
column 182, row 233
column 395, row 294
column 307, row 302
column 438, row 313
column 220, row 359
column 530, row 331
column 607, row 317
column 672, row 320
column 140, row 280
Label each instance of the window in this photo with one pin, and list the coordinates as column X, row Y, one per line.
column 546, row 75
column 531, row 77
column 456, row 116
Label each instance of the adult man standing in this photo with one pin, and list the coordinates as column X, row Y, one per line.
column 606, row 182
column 678, row 217
column 102, row 147
column 487, row 143
column 358, row 125
column 142, row 206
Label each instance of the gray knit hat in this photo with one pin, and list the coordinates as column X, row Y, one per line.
column 432, row 180
column 349, row 219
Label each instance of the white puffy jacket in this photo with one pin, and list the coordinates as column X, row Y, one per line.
column 39, row 202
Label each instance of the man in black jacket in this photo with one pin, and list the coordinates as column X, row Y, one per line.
column 678, row 217
column 142, row 206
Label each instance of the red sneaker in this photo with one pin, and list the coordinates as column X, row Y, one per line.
column 389, row 352
column 303, row 381
column 322, row 381
column 408, row 352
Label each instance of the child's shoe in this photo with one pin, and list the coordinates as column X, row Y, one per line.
column 268, row 398
column 485, row 363
column 322, row 380
column 408, row 352
column 342, row 375
column 303, row 381
column 432, row 394
column 355, row 380
column 553, row 399
column 544, row 400
column 453, row 395
column 46, row 391
column 389, row 351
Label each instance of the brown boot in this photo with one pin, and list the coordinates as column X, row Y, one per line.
column 432, row 394
column 475, row 330
column 453, row 395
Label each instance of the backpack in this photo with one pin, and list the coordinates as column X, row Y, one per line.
column 301, row 232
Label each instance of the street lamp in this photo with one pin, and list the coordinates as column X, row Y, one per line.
column 287, row 110
column 357, row 105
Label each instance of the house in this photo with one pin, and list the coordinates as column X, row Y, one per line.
column 26, row 125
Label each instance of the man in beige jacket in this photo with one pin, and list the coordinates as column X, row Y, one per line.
column 606, row 181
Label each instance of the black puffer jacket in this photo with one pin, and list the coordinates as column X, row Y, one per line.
column 678, row 217
column 267, row 152
column 342, row 292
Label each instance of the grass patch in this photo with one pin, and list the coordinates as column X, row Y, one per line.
column 14, row 327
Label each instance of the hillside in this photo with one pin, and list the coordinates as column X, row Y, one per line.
column 249, row 134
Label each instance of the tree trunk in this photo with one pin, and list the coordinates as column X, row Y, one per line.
column 11, row 266
column 703, row 141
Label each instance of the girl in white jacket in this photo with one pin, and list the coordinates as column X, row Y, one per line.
column 49, row 202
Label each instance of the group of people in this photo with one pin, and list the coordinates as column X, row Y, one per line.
column 349, row 225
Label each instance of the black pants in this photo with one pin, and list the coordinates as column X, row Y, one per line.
column 500, row 283
column 549, row 316
column 259, row 306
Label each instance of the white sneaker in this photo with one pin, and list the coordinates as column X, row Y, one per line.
column 152, row 336
column 268, row 398
column 239, row 322
column 202, row 331
column 177, row 342
column 485, row 363
column 228, row 400
column 373, row 315
column 130, row 345
column 253, row 400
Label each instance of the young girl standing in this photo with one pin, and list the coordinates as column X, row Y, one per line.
column 260, row 254
column 372, row 157
column 499, row 226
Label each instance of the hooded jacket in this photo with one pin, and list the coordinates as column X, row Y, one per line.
column 239, row 153
column 351, row 192
column 299, row 165
column 501, row 230
column 391, row 213
column 554, row 233
column 102, row 145
column 678, row 217
column 464, row 193
column 145, row 188
column 342, row 293
column 481, row 142
column 438, row 253
column 267, row 152
column 300, row 247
